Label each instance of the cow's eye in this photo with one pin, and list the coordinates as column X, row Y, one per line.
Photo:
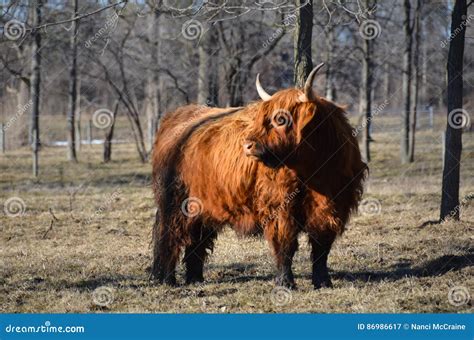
column 282, row 118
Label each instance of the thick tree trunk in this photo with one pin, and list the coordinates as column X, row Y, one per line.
column 208, row 72
column 71, row 114
column 415, row 83
column 453, row 147
column 35, row 82
column 406, row 86
column 302, row 46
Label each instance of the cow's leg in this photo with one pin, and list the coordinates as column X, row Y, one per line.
column 283, row 238
column 195, row 255
column 321, row 246
column 156, row 266
column 166, row 249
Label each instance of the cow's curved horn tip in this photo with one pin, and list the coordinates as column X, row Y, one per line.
column 261, row 92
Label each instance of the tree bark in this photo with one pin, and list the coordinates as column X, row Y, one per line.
column 78, row 115
column 452, row 158
column 153, row 99
column 109, row 135
column 23, row 103
column 35, row 83
column 330, row 44
column 302, row 45
column 415, row 83
column 71, row 115
column 366, row 88
column 406, row 85
column 208, row 68
column 366, row 103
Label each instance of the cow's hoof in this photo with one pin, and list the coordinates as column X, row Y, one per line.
column 286, row 282
column 170, row 280
column 194, row 279
column 318, row 284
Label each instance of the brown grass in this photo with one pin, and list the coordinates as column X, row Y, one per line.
column 385, row 262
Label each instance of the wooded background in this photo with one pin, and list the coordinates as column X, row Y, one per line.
column 87, row 64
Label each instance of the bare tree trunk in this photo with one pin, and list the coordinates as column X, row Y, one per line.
column 453, row 147
column 386, row 80
column 415, row 83
column 35, row 82
column 366, row 94
column 235, row 81
column 71, row 114
column 424, row 65
column 330, row 93
column 406, row 86
column 109, row 135
column 23, row 98
column 78, row 115
column 366, row 103
column 302, row 46
column 152, row 99
column 208, row 71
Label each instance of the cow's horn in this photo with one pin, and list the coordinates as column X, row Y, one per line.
column 308, row 86
column 261, row 92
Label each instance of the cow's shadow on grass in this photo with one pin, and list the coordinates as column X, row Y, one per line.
column 248, row 272
column 238, row 273
column 432, row 268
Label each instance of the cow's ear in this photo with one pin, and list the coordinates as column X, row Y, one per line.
column 306, row 117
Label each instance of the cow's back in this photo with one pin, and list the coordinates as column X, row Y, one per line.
column 200, row 149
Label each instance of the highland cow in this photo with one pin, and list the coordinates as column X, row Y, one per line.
column 283, row 165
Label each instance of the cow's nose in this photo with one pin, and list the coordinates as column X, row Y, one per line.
column 248, row 147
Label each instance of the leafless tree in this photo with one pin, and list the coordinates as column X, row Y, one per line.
column 36, row 52
column 71, row 115
column 452, row 157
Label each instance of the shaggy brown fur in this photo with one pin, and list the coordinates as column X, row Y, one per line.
column 304, row 175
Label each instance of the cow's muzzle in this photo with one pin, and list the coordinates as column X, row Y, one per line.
column 255, row 150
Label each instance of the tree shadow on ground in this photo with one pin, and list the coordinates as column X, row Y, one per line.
column 435, row 267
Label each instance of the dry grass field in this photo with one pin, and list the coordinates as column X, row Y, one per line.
column 81, row 241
